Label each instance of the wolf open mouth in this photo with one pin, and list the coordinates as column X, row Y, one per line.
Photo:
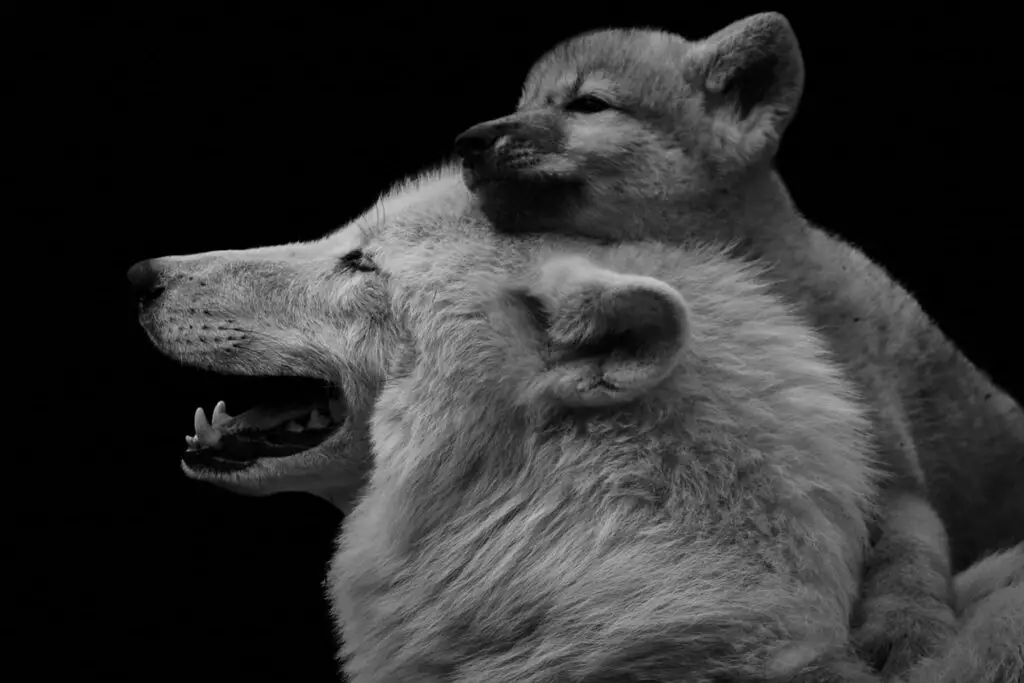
column 288, row 415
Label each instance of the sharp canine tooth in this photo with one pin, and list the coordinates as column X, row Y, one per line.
column 317, row 421
column 220, row 414
column 207, row 435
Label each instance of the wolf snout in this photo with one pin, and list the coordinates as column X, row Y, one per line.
column 145, row 282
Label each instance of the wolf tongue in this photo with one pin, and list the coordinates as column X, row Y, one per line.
column 261, row 419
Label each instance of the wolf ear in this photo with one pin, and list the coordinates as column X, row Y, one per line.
column 609, row 337
column 751, row 74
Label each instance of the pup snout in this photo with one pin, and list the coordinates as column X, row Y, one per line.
column 474, row 141
column 145, row 282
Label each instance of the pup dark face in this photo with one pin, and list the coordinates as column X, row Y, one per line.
column 584, row 138
column 527, row 146
column 585, row 112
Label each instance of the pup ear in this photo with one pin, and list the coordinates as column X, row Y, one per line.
column 610, row 337
column 752, row 75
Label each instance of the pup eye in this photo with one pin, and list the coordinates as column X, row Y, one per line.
column 356, row 261
column 587, row 104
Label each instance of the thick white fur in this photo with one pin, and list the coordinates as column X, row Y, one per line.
column 440, row 572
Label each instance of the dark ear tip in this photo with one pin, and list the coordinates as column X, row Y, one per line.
column 776, row 20
column 773, row 29
column 774, row 24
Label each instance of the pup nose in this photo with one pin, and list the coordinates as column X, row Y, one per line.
column 145, row 281
column 474, row 141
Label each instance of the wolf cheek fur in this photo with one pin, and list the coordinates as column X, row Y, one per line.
column 681, row 149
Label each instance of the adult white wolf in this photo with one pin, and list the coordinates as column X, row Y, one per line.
column 637, row 463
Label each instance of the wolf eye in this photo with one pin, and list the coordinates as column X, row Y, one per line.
column 356, row 261
column 587, row 104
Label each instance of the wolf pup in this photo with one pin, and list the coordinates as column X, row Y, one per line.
column 634, row 134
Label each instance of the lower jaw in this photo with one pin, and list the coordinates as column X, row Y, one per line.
column 239, row 452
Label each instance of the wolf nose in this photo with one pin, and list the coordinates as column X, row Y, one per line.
column 145, row 282
column 474, row 141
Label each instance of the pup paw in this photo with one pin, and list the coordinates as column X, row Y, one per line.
column 894, row 634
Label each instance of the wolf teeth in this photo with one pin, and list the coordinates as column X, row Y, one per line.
column 208, row 435
column 220, row 414
column 317, row 421
column 205, row 433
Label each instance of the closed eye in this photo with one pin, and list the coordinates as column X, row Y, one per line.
column 356, row 261
column 586, row 104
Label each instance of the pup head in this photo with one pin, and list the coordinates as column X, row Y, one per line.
column 619, row 120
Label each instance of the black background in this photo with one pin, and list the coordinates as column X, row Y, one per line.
column 154, row 132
